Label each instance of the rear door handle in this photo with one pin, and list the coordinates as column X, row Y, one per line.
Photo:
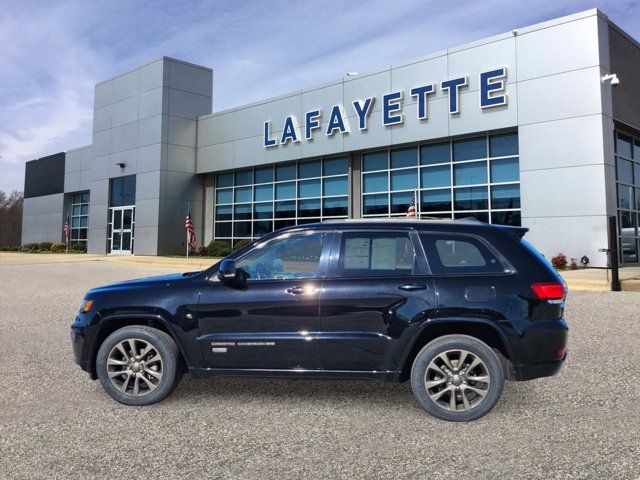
column 302, row 290
column 412, row 286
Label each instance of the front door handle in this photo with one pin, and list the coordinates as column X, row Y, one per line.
column 301, row 290
column 412, row 286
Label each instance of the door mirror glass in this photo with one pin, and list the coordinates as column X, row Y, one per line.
column 227, row 271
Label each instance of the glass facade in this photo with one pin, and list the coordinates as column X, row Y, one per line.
column 252, row 202
column 628, row 194
column 472, row 177
column 79, row 217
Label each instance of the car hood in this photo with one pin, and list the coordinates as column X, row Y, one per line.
column 141, row 283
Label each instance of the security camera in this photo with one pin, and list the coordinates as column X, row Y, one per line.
column 611, row 77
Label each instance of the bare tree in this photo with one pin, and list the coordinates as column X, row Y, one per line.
column 10, row 218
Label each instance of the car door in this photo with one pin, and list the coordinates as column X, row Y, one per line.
column 377, row 291
column 270, row 322
column 473, row 281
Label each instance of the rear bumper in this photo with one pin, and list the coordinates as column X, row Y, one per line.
column 542, row 350
column 537, row 370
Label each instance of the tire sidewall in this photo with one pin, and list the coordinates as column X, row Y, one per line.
column 453, row 342
column 163, row 345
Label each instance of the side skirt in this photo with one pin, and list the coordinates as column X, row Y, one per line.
column 385, row 377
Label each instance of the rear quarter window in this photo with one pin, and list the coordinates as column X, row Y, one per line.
column 451, row 253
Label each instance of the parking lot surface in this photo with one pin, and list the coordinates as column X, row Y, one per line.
column 57, row 423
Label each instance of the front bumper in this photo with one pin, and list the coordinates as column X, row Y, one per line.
column 78, row 344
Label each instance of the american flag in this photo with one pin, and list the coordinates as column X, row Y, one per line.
column 191, row 235
column 66, row 231
column 411, row 212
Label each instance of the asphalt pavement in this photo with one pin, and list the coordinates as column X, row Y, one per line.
column 57, row 423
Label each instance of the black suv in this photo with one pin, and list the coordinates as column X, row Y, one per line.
column 456, row 307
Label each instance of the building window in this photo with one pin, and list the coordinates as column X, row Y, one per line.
column 79, row 217
column 122, row 191
column 628, row 193
column 472, row 177
column 250, row 203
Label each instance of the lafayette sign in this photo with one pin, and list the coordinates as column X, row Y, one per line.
column 491, row 93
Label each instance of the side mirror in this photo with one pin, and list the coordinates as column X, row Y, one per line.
column 229, row 274
column 227, row 271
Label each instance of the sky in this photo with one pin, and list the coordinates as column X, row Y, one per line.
column 53, row 53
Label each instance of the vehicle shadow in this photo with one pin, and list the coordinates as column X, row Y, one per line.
column 250, row 389
column 328, row 392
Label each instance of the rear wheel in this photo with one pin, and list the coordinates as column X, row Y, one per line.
column 138, row 365
column 457, row 378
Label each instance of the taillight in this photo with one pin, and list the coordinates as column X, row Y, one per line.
column 549, row 291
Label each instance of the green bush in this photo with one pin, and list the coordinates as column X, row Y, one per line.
column 58, row 247
column 241, row 243
column 78, row 247
column 45, row 246
column 218, row 248
column 30, row 247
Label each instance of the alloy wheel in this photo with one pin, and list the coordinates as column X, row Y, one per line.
column 457, row 380
column 134, row 367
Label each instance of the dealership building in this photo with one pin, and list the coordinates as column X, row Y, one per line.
column 525, row 128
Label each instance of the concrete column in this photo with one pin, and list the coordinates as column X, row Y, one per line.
column 209, row 210
column 355, row 187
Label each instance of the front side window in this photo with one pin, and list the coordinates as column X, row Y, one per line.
column 293, row 256
column 459, row 254
column 377, row 254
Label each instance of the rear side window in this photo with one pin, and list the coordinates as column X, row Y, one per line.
column 459, row 254
column 377, row 254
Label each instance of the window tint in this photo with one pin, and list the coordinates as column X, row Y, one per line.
column 295, row 256
column 459, row 254
column 376, row 254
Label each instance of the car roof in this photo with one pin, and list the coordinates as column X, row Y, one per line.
column 464, row 225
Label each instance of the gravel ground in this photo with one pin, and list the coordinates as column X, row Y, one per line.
column 56, row 423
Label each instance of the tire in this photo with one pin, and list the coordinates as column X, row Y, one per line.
column 150, row 377
column 475, row 388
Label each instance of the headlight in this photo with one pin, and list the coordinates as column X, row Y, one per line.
column 86, row 305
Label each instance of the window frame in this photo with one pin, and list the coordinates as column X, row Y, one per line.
column 422, row 187
column 336, row 252
column 76, row 232
column 324, row 255
column 293, row 217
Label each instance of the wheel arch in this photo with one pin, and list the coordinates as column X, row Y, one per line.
column 111, row 323
column 481, row 329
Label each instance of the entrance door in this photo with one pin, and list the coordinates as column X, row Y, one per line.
column 122, row 222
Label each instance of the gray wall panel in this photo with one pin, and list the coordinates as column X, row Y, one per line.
column 43, row 219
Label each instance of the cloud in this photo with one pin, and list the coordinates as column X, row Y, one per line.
column 52, row 54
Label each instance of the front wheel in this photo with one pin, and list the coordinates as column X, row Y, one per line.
column 457, row 378
column 138, row 365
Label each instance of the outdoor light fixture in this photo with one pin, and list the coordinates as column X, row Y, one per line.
column 613, row 77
